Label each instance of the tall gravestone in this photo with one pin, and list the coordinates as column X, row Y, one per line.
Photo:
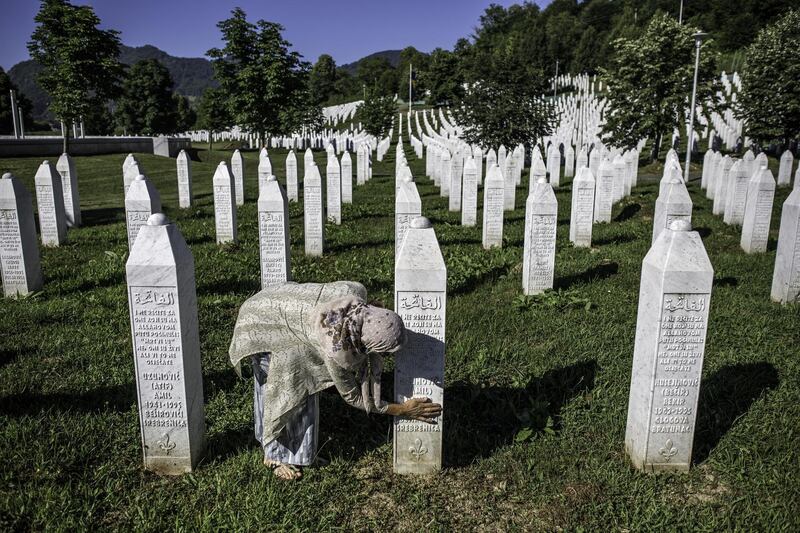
column 347, row 178
column 50, row 204
column 130, row 169
column 444, row 189
column 291, row 177
column 407, row 207
column 333, row 189
column 237, row 168
column 313, row 211
column 166, row 348
column 141, row 202
column 477, row 156
column 604, row 191
column 785, row 169
column 673, row 203
column 786, row 276
column 538, row 260
column 20, row 266
column 493, row 201
column 273, row 234
column 618, row 185
column 671, row 325
column 224, row 204
column 758, row 212
column 184, row 180
column 469, row 193
column 538, row 170
column 456, row 175
column 554, row 166
column 582, row 214
column 69, row 186
column 737, row 193
column 569, row 161
column 420, row 299
column 510, row 185
column 361, row 164
column 721, row 186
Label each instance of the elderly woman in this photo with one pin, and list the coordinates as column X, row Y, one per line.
column 301, row 339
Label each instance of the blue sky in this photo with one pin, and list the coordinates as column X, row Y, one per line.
column 346, row 29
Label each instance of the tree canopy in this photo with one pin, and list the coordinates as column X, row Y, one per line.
column 6, row 120
column 147, row 105
column 376, row 114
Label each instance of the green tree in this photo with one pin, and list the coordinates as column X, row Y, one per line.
column 80, row 66
column 259, row 77
column 187, row 117
column 6, row 120
column 147, row 105
column 770, row 98
column 376, row 114
column 443, row 79
column 411, row 57
column 494, row 113
column 650, row 82
column 377, row 76
column 212, row 113
column 322, row 79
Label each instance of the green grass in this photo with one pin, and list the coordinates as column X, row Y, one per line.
column 536, row 391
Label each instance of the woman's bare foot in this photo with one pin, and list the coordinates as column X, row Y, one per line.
column 283, row 470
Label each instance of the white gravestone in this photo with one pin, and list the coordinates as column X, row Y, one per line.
column 291, row 177
column 130, row 169
column 444, row 190
column 785, row 169
column 420, row 295
column 469, row 193
column 538, row 170
column 273, row 234
column 69, row 186
column 569, row 161
column 361, row 164
column 493, row 201
column 237, row 168
column 313, row 211
column 456, row 174
column 142, row 201
column 673, row 203
column 224, row 204
column 554, row 166
column 737, row 193
column 758, row 212
column 582, row 214
column 347, row 178
column 184, row 180
column 166, row 348
column 618, row 185
column 604, row 190
column 539, row 253
column 407, row 207
column 264, row 170
column 50, row 204
column 19, row 254
column 510, row 185
column 333, row 182
column 786, row 277
column 491, row 160
column 671, row 325
column 707, row 159
column 477, row 155
column 721, row 186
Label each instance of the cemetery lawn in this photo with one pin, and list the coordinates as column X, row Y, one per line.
column 536, row 388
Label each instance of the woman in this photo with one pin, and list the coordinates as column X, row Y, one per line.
column 302, row 339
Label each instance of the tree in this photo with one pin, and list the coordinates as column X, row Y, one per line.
column 494, row 114
column 377, row 75
column 6, row 120
column 186, row 115
column 650, row 82
column 770, row 98
column 376, row 113
column 411, row 57
column 322, row 79
column 212, row 113
column 442, row 78
column 147, row 106
column 258, row 75
column 80, row 66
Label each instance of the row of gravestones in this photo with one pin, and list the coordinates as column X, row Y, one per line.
column 743, row 191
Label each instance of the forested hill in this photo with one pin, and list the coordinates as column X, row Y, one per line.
column 392, row 56
column 192, row 75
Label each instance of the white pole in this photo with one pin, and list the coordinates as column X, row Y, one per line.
column 555, row 81
column 698, row 40
column 14, row 114
column 680, row 15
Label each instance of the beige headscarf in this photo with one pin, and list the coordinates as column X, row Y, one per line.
column 354, row 335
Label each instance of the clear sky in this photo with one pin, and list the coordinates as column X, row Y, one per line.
column 346, row 29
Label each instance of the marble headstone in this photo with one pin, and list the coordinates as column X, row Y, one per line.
column 273, row 234
column 237, row 169
column 20, row 265
column 333, row 190
column 313, row 211
column 604, row 190
column 291, row 177
column 493, row 201
column 141, row 202
column 510, row 185
column 347, row 178
column 785, row 169
column 69, row 186
column 582, row 214
column 538, row 260
column 758, row 211
column 50, row 204
column 469, row 193
column 738, row 179
column 224, row 204
column 407, row 207
column 673, row 203
column 786, row 277
column 456, row 174
column 184, row 180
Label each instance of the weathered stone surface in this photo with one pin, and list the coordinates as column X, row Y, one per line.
column 510, row 185
column 721, row 186
column 141, row 202
column 786, row 276
column 333, row 190
column 407, row 207
column 603, row 197
column 347, row 178
column 130, row 169
column 50, row 204
column 225, row 204
column 493, row 200
column 237, row 169
column 673, row 203
column 421, row 300
column 538, row 170
column 166, row 348
column 313, row 211
column 469, row 202
column 736, row 193
column 444, row 190
column 184, row 180
column 671, row 325
column 291, row 177
column 541, row 218
column 456, row 174
column 554, row 166
column 785, row 169
column 69, row 186
column 19, row 254
column 273, row 234
column 758, row 211
column 582, row 214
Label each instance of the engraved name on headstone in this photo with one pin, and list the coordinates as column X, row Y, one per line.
column 19, row 254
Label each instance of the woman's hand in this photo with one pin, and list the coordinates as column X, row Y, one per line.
column 421, row 409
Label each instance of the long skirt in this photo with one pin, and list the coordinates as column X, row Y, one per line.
column 297, row 442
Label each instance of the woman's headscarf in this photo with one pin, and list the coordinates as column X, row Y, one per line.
column 354, row 335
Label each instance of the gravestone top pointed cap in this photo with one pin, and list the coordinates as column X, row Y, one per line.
column 7, row 176
column 157, row 219
column 140, row 177
column 46, row 162
column 541, row 180
column 272, row 177
column 421, row 223
column 222, row 164
column 680, row 225
column 407, row 179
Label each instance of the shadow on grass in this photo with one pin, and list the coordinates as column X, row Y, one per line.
column 597, row 272
column 616, row 239
column 229, row 286
column 117, row 398
column 480, row 419
column 8, row 356
column 473, row 282
column 703, row 231
column 725, row 396
column 727, row 281
column 118, row 278
column 628, row 212
column 346, row 247
column 102, row 216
